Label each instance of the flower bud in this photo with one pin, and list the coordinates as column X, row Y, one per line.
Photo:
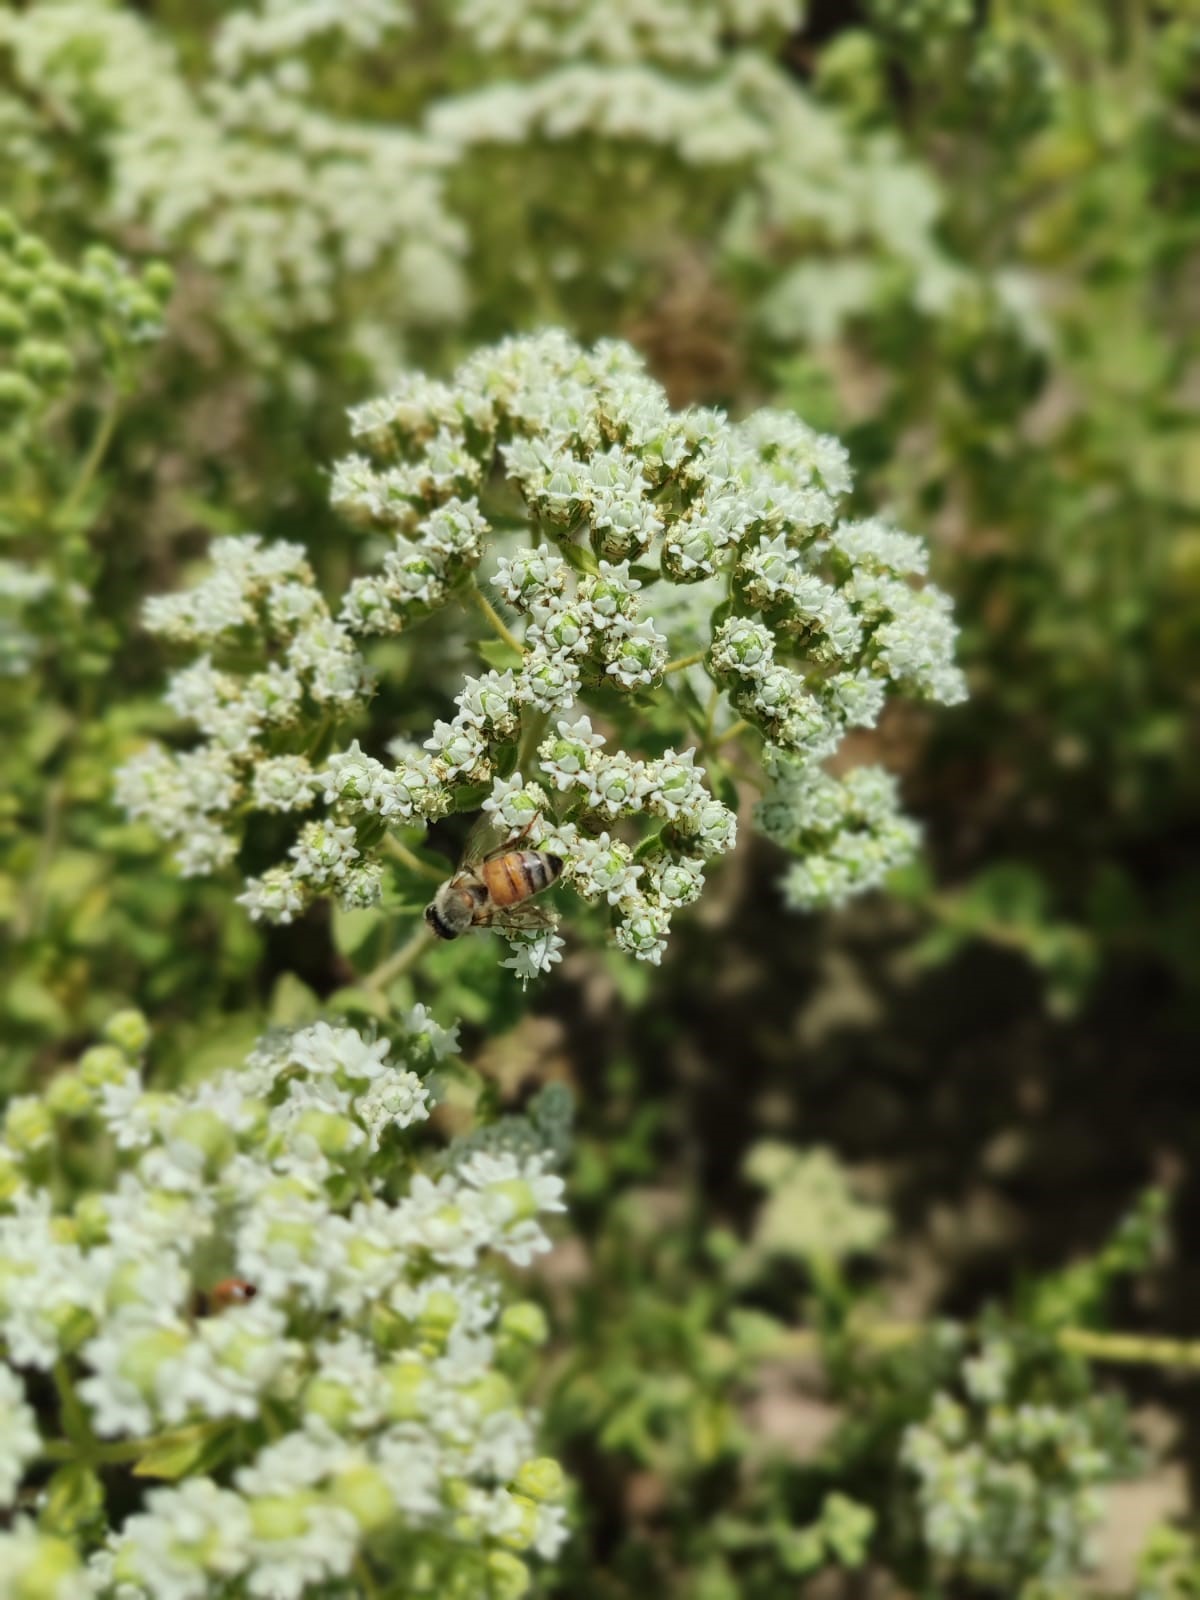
column 524, row 1324
column 403, row 1383
column 204, row 1131
column 508, row 1576
column 438, row 1315
column 541, row 1479
column 103, row 1063
column 524, row 1533
column 28, row 1126
column 330, row 1401
column 129, row 1031
column 91, row 1220
column 68, row 1096
column 279, row 1516
column 363, row 1491
column 48, row 1568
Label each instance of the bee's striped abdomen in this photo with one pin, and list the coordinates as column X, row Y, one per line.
column 519, row 874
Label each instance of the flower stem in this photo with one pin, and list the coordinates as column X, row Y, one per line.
column 495, row 621
column 732, row 731
column 92, row 461
column 407, row 955
column 400, row 852
column 74, row 1417
column 1123, row 1349
column 683, row 661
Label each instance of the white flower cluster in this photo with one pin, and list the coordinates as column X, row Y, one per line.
column 684, row 32
column 848, row 833
column 259, row 597
column 789, row 618
column 1008, row 1489
column 799, row 623
column 349, row 1401
column 283, row 199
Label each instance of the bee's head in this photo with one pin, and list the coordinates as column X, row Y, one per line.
column 449, row 912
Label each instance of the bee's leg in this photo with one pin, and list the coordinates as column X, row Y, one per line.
column 525, row 918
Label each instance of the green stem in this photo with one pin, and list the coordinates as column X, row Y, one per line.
column 407, row 955
column 74, row 1417
column 91, row 462
column 531, row 736
column 1122, row 1349
column 733, row 730
column 495, row 621
column 365, row 1581
column 400, row 852
column 683, row 661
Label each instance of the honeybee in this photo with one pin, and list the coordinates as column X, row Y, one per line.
column 492, row 888
column 228, row 1292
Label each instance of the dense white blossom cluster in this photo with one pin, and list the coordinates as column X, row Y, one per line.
column 351, row 1402
column 263, row 597
column 244, row 156
column 691, row 33
column 261, row 184
column 1008, row 1488
column 614, row 533
column 847, row 833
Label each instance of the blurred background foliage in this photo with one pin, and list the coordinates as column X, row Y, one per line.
column 963, row 237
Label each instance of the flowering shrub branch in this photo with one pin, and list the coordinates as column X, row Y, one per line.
column 614, row 532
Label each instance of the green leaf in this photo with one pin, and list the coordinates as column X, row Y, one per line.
column 498, row 654
column 174, row 1458
column 292, row 1003
column 72, row 1499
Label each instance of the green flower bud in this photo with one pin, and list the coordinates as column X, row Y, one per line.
column 73, row 1327
column 329, row 1400
column 47, row 1572
column 147, row 1354
column 279, row 1516
column 91, row 1220
column 403, row 1383
column 13, row 324
column 363, row 1491
column 31, row 252
column 523, row 1535
column 44, row 361
column 68, row 1096
column 490, row 1393
column 520, row 1196
column 19, row 283
column 11, row 1181
column 46, row 309
column 17, row 394
column 524, row 1324
column 438, row 1316
column 28, row 1125
column 129, row 1031
column 386, row 1328
column 508, row 1576
column 332, row 1134
column 103, row 1063
column 159, row 280
column 541, row 1479
column 205, row 1131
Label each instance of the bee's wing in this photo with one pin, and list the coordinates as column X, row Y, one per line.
column 489, row 836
